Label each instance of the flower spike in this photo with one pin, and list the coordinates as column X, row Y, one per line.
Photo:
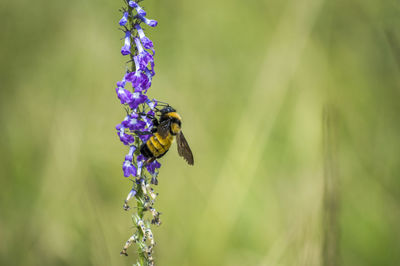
column 137, row 127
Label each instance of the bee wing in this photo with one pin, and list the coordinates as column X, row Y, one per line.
column 163, row 128
column 184, row 149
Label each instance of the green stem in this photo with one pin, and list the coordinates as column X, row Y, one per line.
column 140, row 197
column 140, row 212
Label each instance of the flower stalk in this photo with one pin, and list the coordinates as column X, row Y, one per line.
column 132, row 93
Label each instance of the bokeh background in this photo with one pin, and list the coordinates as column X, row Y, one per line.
column 291, row 109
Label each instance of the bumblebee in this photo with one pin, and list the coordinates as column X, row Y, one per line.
column 165, row 130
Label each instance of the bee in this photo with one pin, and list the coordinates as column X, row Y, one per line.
column 165, row 130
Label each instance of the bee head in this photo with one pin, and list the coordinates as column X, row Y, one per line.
column 167, row 109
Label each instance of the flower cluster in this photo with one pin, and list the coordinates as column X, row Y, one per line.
column 134, row 130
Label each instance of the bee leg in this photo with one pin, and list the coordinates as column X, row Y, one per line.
column 141, row 133
column 155, row 126
column 155, row 122
column 150, row 160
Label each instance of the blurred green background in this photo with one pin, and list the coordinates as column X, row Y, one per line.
column 291, row 109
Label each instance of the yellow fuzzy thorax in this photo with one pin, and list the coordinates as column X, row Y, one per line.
column 174, row 114
column 175, row 128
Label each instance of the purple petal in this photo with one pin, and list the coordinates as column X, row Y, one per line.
column 125, row 138
column 129, row 169
column 124, row 19
column 150, row 22
column 137, row 99
column 144, row 57
column 137, row 79
column 133, row 4
column 126, row 49
column 129, row 156
column 134, row 124
column 121, row 83
column 150, row 73
column 139, row 10
column 153, row 166
column 147, row 43
column 143, row 83
column 124, row 95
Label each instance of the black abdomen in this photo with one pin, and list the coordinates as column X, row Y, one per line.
column 144, row 149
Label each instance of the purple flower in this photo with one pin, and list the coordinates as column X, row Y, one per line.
column 129, row 156
column 150, row 73
column 121, row 83
column 150, row 22
column 142, row 84
column 126, row 49
column 147, row 43
column 151, row 167
column 139, row 10
column 136, row 78
column 124, row 19
column 129, row 169
column 139, row 79
column 144, row 57
column 133, row 123
column 131, row 194
column 152, row 103
column 124, row 95
column 125, row 138
column 138, row 98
